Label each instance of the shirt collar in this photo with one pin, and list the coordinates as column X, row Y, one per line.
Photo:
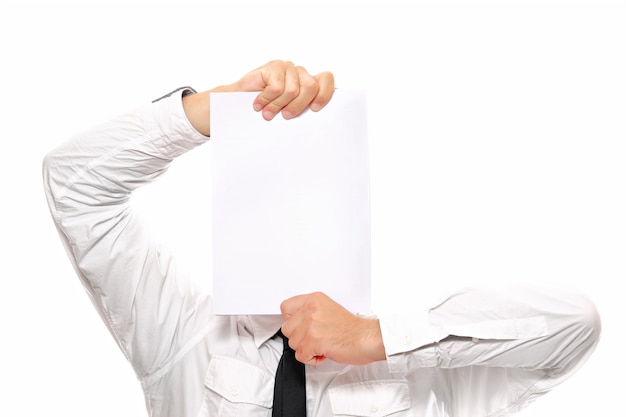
column 264, row 327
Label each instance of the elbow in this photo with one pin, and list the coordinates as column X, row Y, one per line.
column 589, row 324
column 579, row 335
column 57, row 169
column 50, row 177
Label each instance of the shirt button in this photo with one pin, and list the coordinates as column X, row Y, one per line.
column 234, row 391
column 407, row 341
column 374, row 408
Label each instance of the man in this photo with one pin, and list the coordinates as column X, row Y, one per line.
column 482, row 352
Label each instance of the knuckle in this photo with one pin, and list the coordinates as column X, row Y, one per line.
column 315, row 334
column 292, row 344
column 291, row 91
column 309, row 84
column 271, row 91
column 327, row 76
column 276, row 63
column 317, row 297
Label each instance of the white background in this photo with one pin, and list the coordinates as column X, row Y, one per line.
column 497, row 155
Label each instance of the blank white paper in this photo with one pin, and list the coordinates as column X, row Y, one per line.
column 290, row 204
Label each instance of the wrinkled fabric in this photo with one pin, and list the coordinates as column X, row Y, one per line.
column 480, row 352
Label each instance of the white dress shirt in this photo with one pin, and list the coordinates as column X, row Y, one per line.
column 480, row 352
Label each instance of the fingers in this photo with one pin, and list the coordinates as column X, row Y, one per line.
column 292, row 305
column 288, row 89
column 326, row 82
column 299, row 313
column 282, row 85
column 306, row 89
column 294, row 313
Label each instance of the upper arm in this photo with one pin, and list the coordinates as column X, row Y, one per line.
column 151, row 309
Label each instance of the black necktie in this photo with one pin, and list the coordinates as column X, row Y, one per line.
column 290, row 385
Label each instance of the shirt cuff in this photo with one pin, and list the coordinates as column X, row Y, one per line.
column 410, row 341
column 166, row 120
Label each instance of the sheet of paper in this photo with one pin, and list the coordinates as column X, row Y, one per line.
column 290, row 204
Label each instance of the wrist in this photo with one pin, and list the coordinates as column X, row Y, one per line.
column 197, row 108
column 373, row 347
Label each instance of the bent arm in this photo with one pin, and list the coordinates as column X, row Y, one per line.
column 132, row 280
column 152, row 311
column 543, row 329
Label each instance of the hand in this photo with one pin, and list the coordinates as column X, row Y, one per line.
column 287, row 89
column 283, row 88
column 319, row 328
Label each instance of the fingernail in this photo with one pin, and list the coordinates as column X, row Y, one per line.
column 258, row 107
column 287, row 114
column 315, row 107
column 268, row 115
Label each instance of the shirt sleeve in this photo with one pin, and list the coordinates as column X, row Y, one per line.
column 548, row 329
column 150, row 308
